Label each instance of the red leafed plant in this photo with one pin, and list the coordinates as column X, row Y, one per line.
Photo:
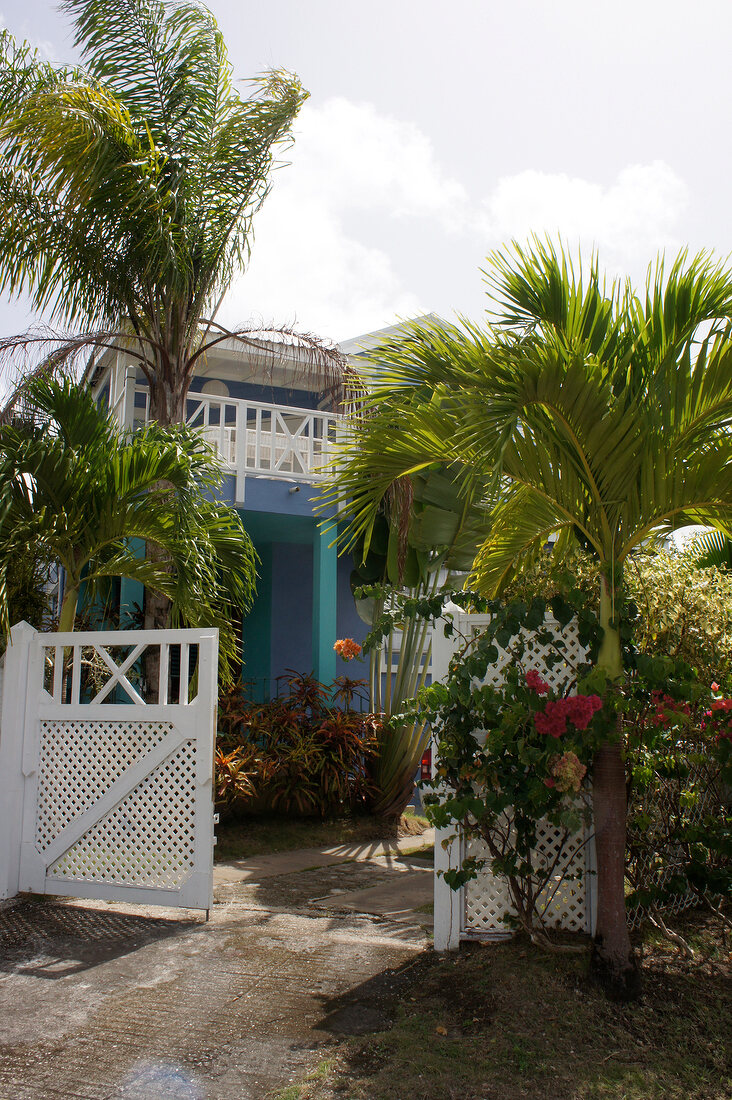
column 306, row 752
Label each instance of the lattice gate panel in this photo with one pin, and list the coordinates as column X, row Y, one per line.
column 536, row 653
column 148, row 838
column 110, row 777
column 78, row 763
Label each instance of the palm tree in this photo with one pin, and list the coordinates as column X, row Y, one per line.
column 75, row 490
column 714, row 549
column 128, row 187
column 592, row 414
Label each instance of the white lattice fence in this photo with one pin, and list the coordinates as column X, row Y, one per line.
column 107, row 780
column 479, row 909
column 564, row 903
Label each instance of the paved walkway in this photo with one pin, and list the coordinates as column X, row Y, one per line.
column 102, row 1001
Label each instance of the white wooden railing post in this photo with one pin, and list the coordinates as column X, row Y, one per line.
column 240, row 452
column 208, row 669
column 128, row 404
column 12, row 737
column 449, row 903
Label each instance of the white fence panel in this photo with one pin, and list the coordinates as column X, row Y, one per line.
column 108, row 786
column 479, row 908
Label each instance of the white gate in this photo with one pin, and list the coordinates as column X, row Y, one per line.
column 106, row 784
column 477, row 910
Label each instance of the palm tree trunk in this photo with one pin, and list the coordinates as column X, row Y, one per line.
column 168, row 401
column 167, row 406
column 613, row 963
column 68, row 606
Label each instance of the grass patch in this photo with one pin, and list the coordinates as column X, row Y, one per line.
column 322, row 1072
column 253, row 836
column 506, row 1021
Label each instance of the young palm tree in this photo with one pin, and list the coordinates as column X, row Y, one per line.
column 77, row 491
column 595, row 415
column 128, row 187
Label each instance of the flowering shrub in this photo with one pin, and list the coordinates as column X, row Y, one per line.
column 512, row 756
column 576, row 709
column 679, row 768
column 567, row 773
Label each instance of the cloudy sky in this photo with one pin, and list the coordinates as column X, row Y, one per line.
column 434, row 133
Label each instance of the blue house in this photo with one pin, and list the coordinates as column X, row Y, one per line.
column 273, row 421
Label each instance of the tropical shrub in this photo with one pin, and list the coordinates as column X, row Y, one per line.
column 307, row 752
column 584, row 411
column 678, row 743
column 677, row 608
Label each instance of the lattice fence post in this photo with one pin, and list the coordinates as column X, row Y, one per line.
column 449, row 904
column 12, row 730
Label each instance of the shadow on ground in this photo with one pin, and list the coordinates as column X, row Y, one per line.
column 46, row 939
column 300, row 888
column 371, row 1006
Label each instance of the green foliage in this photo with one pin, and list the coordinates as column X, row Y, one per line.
column 670, row 605
column 420, row 527
column 75, row 490
column 583, row 412
column 503, row 766
column 678, row 740
column 300, row 753
column 685, row 611
column 28, row 582
column 133, row 179
column 713, row 548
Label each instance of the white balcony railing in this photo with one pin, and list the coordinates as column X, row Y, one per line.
column 260, row 440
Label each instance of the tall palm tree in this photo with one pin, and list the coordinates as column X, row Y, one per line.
column 128, row 187
column 592, row 414
column 76, row 490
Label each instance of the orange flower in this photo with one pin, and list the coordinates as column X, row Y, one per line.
column 347, row 649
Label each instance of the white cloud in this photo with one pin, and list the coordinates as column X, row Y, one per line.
column 356, row 158
column 307, row 272
column 308, row 264
column 365, row 206
column 629, row 220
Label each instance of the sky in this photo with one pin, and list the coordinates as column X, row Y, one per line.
column 436, row 133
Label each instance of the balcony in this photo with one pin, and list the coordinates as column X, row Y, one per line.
column 254, row 439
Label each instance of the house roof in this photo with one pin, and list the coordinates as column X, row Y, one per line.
column 359, row 346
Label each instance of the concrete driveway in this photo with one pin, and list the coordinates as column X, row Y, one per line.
column 102, row 1000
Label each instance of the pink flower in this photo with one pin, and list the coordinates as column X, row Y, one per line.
column 715, row 686
column 552, row 721
column 577, row 709
column 535, row 682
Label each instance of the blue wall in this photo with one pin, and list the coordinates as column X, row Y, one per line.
column 292, row 608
